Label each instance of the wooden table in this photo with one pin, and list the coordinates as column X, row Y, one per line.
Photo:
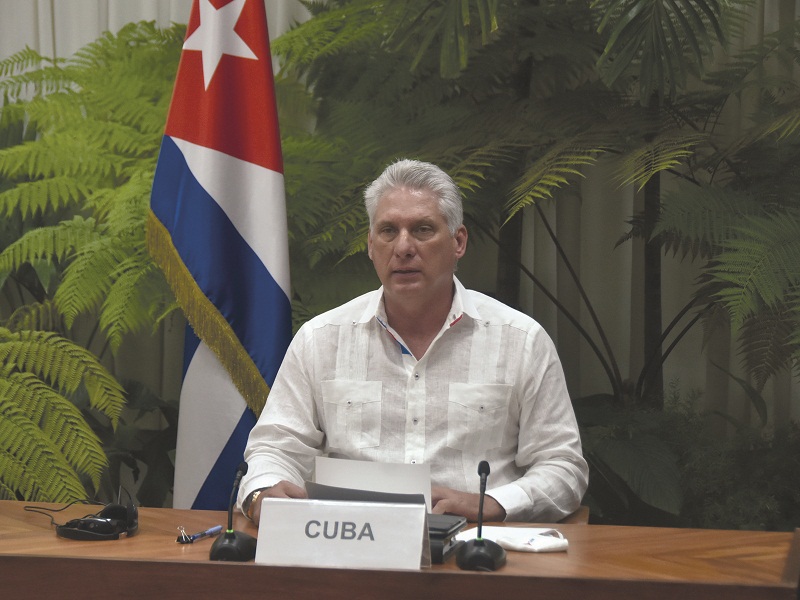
column 603, row 562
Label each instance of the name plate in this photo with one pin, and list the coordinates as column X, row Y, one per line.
column 358, row 535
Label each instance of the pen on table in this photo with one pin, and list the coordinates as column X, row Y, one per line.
column 185, row 538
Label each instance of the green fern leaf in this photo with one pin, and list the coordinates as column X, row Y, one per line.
column 49, row 476
column 786, row 125
column 87, row 278
column 64, row 365
column 16, row 481
column 49, row 243
column 128, row 306
column 35, row 197
column 698, row 218
column 560, row 164
column 666, row 151
column 760, row 264
column 22, row 61
column 60, row 420
column 765, row 343
column 42, row 316
column 48, row 79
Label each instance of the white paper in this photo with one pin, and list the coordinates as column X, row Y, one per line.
column 521, row 539
column 375, row 476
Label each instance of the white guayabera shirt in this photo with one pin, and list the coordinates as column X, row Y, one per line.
column 490, row 387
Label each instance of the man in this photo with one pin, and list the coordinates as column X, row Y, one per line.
column 423, row 370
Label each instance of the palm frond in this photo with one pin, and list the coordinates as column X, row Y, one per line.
column 64, row 365
column 759, row 265
column 665, row 40
column 37, row 197
column 50, row 243
column 786, row 125
column 40, row 316
column 556, row 168
column 667, row 151
column 93, row 124
column 37, row 82
column 744, row 68
column 62, row 153
column 765, row 343
column 696, row 219
column 451, row 24
column 19, row 62
column 471, row 167
column 87, row 278
column 32, row 468
column 128, row 307
column 333, row 31
column 60, row 420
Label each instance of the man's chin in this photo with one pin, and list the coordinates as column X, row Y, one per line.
column 404, row 285
column 405, row 278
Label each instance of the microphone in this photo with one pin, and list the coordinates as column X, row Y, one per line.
column 234, row 546
column 480, row 554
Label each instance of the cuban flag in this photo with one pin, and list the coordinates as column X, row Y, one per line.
column 217, row 228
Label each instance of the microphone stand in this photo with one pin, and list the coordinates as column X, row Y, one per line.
column 234, row 546
column 480, row 554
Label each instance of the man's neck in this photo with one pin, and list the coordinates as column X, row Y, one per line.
column 418, row 326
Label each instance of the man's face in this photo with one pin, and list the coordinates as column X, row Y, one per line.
column 412, row 249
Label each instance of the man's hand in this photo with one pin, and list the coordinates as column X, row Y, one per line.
column 282, row 489
column 451, row 502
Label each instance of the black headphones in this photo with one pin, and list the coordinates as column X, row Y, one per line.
column 108, row 524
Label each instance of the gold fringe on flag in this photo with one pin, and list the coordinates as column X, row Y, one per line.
column 207, row 322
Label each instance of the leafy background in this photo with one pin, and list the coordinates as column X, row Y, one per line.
column 523, row 102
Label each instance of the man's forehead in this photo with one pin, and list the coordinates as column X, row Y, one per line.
column 411, row 204
column 409, row 216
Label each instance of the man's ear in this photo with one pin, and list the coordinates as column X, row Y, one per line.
column 460, row 241
column 369, row 243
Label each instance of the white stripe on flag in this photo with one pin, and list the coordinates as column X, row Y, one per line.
column 251, row 196
column 211, row 407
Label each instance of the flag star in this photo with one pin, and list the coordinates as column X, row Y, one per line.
column 215, row 36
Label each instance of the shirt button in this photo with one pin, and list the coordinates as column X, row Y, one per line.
column 416, row 376
column 415, row 421
column 413, row 462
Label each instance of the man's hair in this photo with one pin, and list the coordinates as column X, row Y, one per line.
column 419, row 176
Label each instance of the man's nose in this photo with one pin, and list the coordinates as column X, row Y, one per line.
column 405, row 244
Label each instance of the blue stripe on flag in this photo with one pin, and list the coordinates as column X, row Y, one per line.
column 190, row 344
column 216, row 489
column 223, row 264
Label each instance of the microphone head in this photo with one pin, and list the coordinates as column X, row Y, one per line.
column 483, row 468
column 242, row 468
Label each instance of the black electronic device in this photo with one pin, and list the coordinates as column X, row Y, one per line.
column 108, row 524
column 234, row 546
column 480, row 554
column 442, row 531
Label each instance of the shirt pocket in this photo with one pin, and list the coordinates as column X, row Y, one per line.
column 476, row 415
column 352, row 413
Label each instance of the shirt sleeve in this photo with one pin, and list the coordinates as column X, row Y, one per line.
column 286, row 438
column 549, row 449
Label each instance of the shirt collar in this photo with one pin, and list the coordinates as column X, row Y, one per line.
column 462, row 305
